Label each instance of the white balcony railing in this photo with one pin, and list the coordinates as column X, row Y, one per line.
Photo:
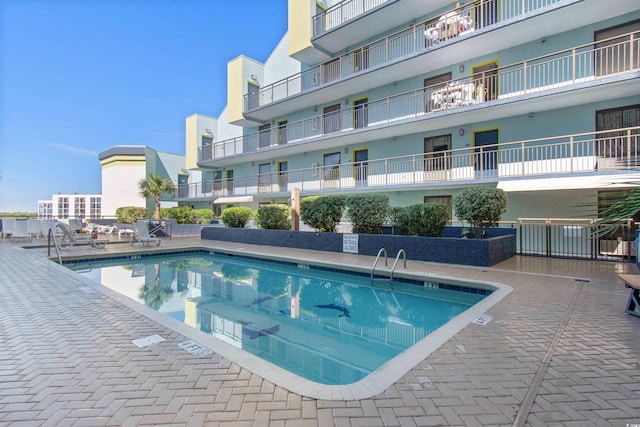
column 537, row 76
column 417, row 38
column 616, row 149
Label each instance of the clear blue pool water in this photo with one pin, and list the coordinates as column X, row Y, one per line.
column 327, row 326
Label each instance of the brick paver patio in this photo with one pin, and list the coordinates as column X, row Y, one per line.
column 560, row 350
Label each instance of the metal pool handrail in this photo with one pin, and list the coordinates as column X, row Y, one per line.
column 400, row 252
column 373, row 267
column 52, row 236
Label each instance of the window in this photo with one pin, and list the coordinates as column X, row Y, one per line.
column 253, row 96
column 331, row 70
column 95, row 206
column 441, row 200
column 360, row 113
column 361, row 59
column 283, row 175
column 332, row 119
column 434, row 84
column 63, row 207
column 183, row 186
column 230, row 184
column 264, row 136
column 331, row 166
column 79, row 207
column 435, row 153
column 282, row 132
column 264, row 177
column 615, row 56
column 217, row 183
column 615, row 144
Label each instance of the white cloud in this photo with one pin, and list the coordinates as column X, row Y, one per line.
column 75, row 150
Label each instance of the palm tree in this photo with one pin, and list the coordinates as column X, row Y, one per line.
column 616, row 213
column 154, row 186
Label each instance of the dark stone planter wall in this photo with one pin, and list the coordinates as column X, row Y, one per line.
column 451, row 250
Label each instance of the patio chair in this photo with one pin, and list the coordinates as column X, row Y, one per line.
column 70, row 238
column 141, row 234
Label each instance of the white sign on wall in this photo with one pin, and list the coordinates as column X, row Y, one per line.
column 350, row 243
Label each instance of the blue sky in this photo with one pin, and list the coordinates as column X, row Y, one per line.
column 80, row 76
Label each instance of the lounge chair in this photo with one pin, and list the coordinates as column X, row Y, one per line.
column 141, row 234
column 70, row 238
column 76, row 225
column 49, row 224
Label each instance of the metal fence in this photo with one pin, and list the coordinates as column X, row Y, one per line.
column 575, row 238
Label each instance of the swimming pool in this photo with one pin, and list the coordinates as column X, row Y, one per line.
column 331, row 327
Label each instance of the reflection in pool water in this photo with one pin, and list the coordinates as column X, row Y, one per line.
column 327, row 326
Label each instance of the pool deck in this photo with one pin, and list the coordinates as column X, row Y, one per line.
column 559, row 350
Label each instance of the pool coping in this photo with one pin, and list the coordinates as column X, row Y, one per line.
column 373, row 384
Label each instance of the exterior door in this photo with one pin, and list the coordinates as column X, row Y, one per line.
column 282, row 132
column 486, row 153
column 360, row 165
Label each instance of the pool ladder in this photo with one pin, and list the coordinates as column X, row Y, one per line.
column 395, row 263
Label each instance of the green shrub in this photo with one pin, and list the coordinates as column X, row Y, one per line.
column 182, row 214
column 130, row 214
column 273, row 217
column 236, row 217
column 367, row 213
column 481, row 207
column 420, row 220
column 204, row 215
column 322, row 212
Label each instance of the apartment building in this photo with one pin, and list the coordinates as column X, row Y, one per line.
column 420, row 99
column 124, row 166
column 75, row 205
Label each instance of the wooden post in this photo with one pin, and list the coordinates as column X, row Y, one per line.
column 295, row 209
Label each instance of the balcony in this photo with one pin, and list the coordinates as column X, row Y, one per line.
column 568, row 155
column 401, row 55
column 342, row 13
column 587, row 71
